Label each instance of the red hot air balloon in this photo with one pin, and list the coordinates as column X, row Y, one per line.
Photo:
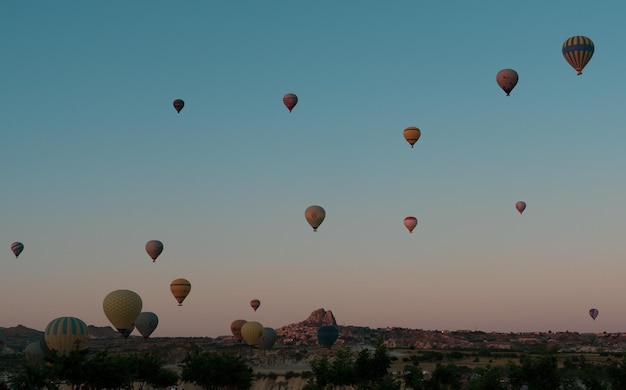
column 410, row 223
column 412, row 134
column 255, row 303
column 507, row 79
column 17, row 248
column 179, row 104
column 315, row 216
column 520, row 206
column 154, row 249
column 290, row 100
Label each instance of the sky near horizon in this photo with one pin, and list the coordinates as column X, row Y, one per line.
column 95, row 162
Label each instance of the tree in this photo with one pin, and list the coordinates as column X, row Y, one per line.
column 215, row 371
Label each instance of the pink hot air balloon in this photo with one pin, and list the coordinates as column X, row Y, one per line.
column 154, row 249
column 410, row 223
column 255, row 303
column 520, row 206
column 507, row 79
column 290, row 100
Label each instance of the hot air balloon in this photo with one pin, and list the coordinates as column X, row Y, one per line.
column 154, row 249
column 315, row 216
column 327, row 335
column 593, row 313
column 410, row 223
column 34, row 352
column 520, row 206
column 66, row 334
column 235, row 328
column 180, row 289
column 577, row 51
column 122, row 307
column 17, row 248
column 179, row 104
column 1, row 340
column 290, row 100
column 251, row 332
column 268, row 339
column 128, row 331
column 412, row 134
column 507, row 79
column 146, row 322
column 255, row 303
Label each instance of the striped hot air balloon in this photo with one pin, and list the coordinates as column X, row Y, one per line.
column 577, row 51
column 180, row 289
column 290, row 100
column 17, row 248
column 122, row 307
column 66, row 334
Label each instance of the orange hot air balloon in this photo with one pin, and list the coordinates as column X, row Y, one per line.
column 179, row 104
column 290, row 100
column 154, row 249
column 578, row 51
column 507, row 79
column 412, row 134
column 410, row 223
column 180, row 289
column 255, row 303
column 315, row 216
column 520, row 206
column 235, row 328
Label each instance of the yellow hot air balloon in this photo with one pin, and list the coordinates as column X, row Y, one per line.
column 66, row 334
column 122, row 308
column 251, row 332
column 412, row 134
column 235, row 328
column 180, row 289
column 314, row 216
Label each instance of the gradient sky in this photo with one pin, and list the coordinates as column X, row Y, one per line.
column 95, row 162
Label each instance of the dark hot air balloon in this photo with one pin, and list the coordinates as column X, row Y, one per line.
column 593, row 313
column 179, row 104
column 290, row 100
column 17, row 248
column 255, row 303
column 146, row 322
column 154, row 249
column 507, row 79
column 268, row 339
column 315, row 216
column 410, row 223
column 520, row 206
column 327, row 335
column 577, row 51
column 412, row 134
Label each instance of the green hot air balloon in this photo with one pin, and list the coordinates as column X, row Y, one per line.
column 327, row 335
column 268, row 338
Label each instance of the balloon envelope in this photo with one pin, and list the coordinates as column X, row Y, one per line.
column 290, row 100
column 593, row 313
column 179, row 104
column 122, row 307
column 146, row 322
column 412, row 134
column 520, row 206
column 235, row 328
column 327, row 335
column 315, row 216
column 180, row 289
column 507, row 79
column 154, row 249
column 66, row 334
column 410, row 223
column 251, row 332
column 34, row 352
column 17, row 248
column 255, row 303
column 577, row 51
column 268, row 338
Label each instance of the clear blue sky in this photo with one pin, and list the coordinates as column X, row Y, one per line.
column 95, row 162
